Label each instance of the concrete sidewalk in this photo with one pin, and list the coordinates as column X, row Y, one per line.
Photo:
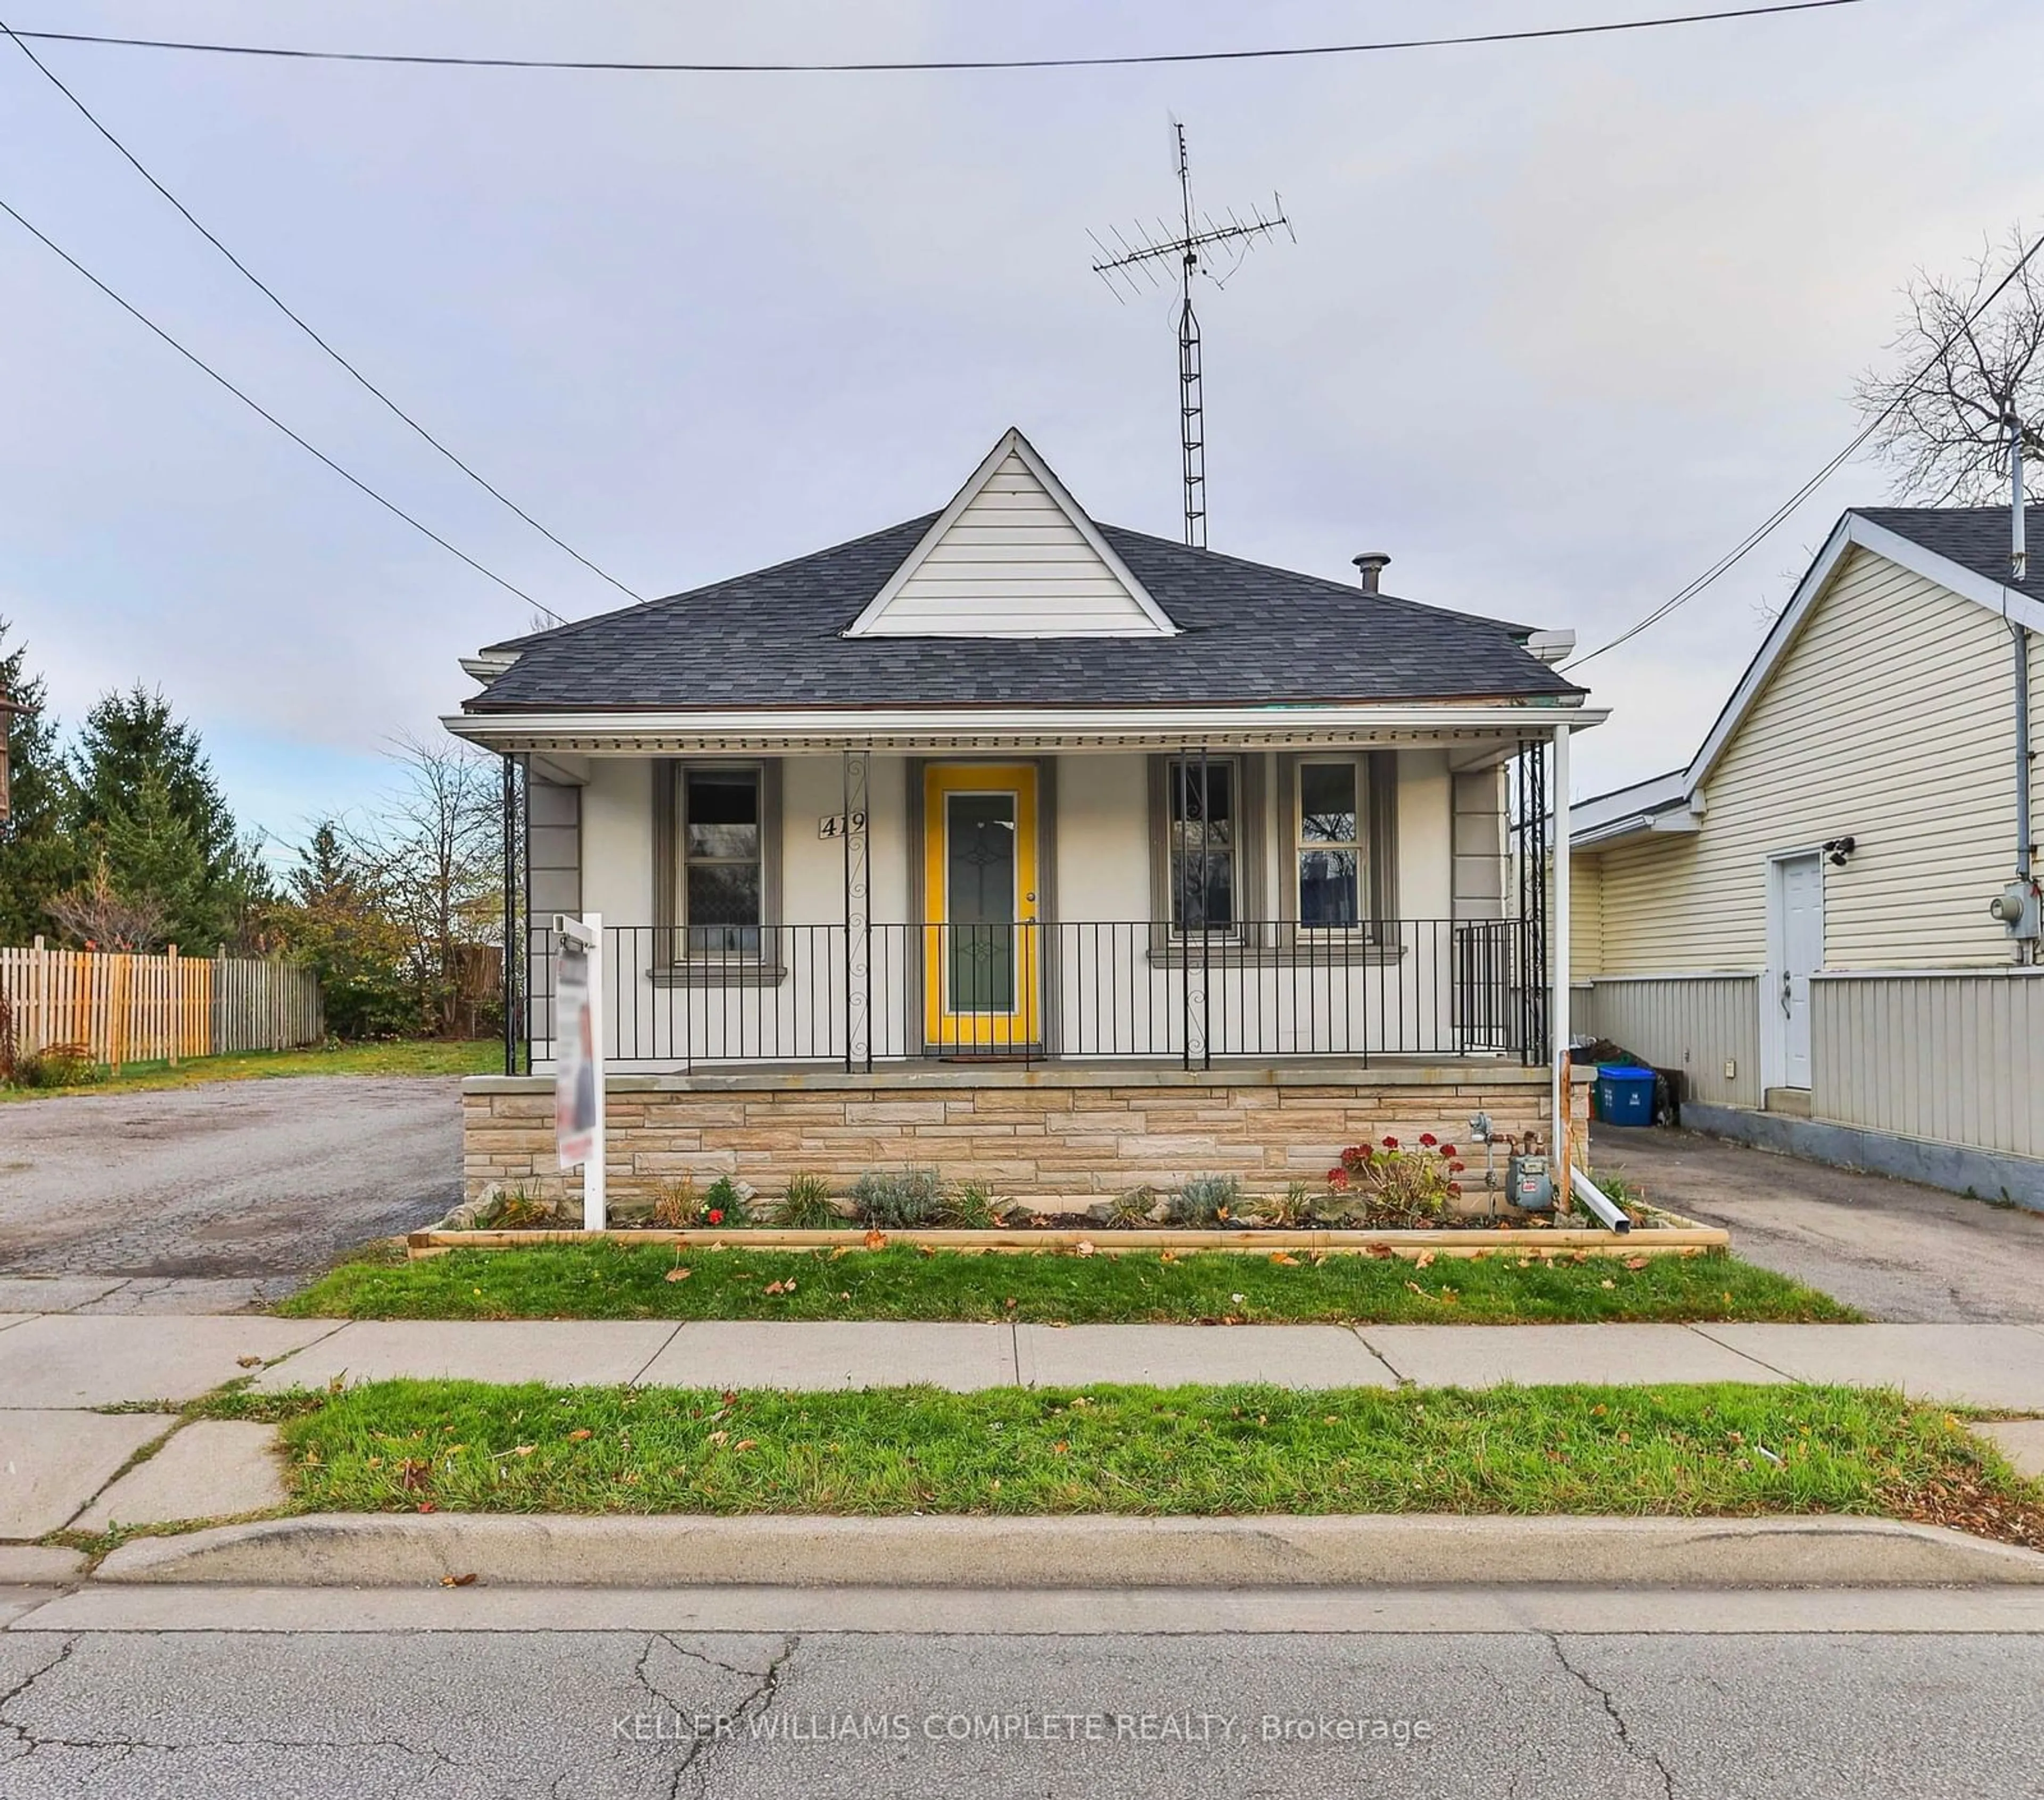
column 1996, row 1366
column 75, row 1360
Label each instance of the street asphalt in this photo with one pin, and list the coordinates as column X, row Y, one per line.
column 1896, row 1250
column 250, row 1186
column 1796, row 1712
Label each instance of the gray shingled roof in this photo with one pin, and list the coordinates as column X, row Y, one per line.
column 1974, row 537
column 1248, row 634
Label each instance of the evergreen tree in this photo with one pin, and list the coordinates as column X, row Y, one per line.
column 39, row 857
column 143, row 792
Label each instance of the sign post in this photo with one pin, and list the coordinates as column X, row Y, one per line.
column 578, row 1056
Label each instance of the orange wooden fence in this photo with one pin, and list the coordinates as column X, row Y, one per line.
column 125, row 1008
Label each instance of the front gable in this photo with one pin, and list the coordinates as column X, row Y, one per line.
column 1012, row 556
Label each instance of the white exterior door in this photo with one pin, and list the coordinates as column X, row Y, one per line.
column 1800, row 954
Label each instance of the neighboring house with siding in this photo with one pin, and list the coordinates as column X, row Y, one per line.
column 1032, row 849
column 1799, row 920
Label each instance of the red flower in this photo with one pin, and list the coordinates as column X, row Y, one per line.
column 1454, row 1186
column 1337, row 1177
column 1455, row 1168
column 716, row 1216
column 1391, row 1143
column 1448, row 1150
column 1428, row 1139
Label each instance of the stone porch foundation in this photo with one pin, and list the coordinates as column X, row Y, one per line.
column 1072, row 1131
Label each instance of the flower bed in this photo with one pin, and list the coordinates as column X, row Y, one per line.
column 1381, row 1200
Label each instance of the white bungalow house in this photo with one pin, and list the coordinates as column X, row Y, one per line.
column 1030, row 848
column 1812, row 921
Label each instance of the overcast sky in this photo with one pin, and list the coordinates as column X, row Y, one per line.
column 1563, row 322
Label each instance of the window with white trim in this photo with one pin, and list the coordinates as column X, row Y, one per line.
column 723, row 860
column 1328, row 829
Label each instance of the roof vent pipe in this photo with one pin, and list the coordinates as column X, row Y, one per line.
column 1370, row 566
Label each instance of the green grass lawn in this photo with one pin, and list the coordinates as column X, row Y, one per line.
column 466, row 1446
column 609, row 1280
column 484, row 1056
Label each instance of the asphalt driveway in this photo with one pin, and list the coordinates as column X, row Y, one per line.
column 1896, row 1251
column 250, row 1185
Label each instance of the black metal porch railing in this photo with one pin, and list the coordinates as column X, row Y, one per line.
column 825, row 994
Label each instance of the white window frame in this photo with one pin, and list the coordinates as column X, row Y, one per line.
column 1358, row 765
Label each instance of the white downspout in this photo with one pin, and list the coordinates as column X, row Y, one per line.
column 1558, row 967
column 2018, row 561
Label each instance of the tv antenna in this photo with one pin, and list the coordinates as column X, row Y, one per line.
column 1200, row 241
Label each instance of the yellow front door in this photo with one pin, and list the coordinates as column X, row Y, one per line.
column 982, row 960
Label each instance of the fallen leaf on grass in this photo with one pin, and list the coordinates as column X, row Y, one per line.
column 1083, row 1248
column 1167, row 1256
column 1009, row 1303
column 579, row 1433
column 1424, row 1260
column 679, row 1274
column 1607, row 1283
column 428, row 1506
column 874, row 1240
column 1060, row 1448
column 1635, row 1262
column 719, row 1438
column 523, row 1449
column 745, row 1444
column 458, row 1580
column 842, row 1250
column 1284, row 1259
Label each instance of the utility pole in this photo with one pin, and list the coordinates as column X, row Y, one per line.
column 1192, row 248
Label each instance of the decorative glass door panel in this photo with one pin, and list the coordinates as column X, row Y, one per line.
column 981, row 955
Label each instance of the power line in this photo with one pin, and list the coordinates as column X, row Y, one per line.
column 269, row 294
column 1753, row 538
column 256, row 406
column 948, row 64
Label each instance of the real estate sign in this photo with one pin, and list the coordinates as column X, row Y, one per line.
column 578, row 1056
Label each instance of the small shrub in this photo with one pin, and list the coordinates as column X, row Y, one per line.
column 972, row 1208
column 899, row 1200
column 1208, row 1201
column 807, row 1205
column 677, row 1206
column 1131, row 1210
column 59, row 1066
column 1295, row 1208
column 519, row 1208
column 1398, row 1185
column 726, row 1205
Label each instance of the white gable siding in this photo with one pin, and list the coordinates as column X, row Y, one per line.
column 1012, row 564
column 1890, row 719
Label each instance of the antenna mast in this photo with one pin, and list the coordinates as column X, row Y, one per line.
column 1199, row 237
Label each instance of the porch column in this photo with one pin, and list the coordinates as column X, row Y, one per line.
column 1557, row 967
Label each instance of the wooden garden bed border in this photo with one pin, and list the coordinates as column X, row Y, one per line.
column 1684, row 1239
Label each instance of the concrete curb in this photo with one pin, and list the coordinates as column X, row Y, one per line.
column 396, row 1550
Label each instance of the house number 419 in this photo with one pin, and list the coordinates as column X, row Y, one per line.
column 834, row 827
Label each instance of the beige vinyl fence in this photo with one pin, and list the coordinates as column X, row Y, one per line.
column 126, row 1008
column 1955, row 1056
column 1707, row 1026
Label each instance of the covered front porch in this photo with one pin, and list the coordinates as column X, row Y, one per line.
column 1244, row 900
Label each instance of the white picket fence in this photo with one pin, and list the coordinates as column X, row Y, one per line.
column 124, row 1007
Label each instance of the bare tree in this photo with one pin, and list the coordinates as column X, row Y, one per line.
column 101, row 918
column 434, row 854
column 1957, row 381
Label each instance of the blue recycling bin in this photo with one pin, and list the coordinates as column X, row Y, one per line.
column 1624, row 1094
